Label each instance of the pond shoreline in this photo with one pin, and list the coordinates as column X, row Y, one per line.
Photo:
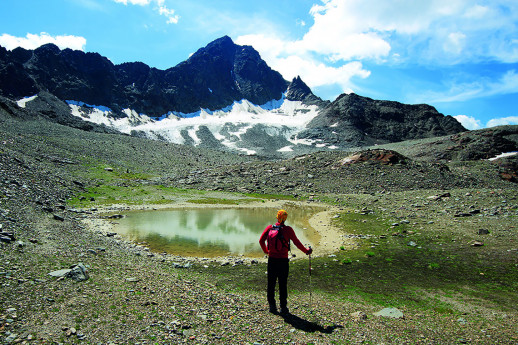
column 101, row 220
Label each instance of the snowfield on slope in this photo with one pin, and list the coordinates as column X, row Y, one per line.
column 280, row 119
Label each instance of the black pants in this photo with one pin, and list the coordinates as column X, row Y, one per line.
column 278, row 269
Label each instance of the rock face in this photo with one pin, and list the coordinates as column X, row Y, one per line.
column 361, row 120
column 508, row 168
column 483, row 144
column 213, row 77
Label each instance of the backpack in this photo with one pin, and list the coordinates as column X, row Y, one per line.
column 276, row 238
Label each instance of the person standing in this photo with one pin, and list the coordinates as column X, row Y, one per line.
column 275, row 242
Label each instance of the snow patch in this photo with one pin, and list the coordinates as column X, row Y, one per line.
column 194, row 136
column 246, row 151
column 286, row 149
column 507, row 154
column 23, row 102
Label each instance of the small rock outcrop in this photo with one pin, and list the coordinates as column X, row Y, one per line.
column 375, row 156
column 77, row 272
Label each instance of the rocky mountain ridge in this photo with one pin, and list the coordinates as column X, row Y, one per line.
column 82, row 89
column 365, row 121
column 213, row 77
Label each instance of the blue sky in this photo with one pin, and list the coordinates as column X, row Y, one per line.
column 461, row 56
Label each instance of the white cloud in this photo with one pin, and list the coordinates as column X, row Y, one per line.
column 455, row 43
column 511, row 120
column 434, row 31
column 318, row 74
column 292, row 60
column 476, row 12
column 483, row 87
column 161, row 8
column 468, row 122
column 33, row 41
column 340, row 35
column 167, row 12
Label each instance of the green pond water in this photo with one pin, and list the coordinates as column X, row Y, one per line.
column 209, row 232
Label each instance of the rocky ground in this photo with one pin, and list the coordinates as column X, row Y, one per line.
column 416, row 224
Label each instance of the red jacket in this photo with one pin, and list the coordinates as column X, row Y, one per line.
column 283, row 252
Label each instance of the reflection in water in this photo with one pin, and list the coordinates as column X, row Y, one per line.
column 211, row 231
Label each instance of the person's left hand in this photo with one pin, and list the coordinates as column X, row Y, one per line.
column 310, row 250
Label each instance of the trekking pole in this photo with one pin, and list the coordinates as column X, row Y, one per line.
column 310, row 289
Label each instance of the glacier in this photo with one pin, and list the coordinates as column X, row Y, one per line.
column 242, row 127
column 280, row 119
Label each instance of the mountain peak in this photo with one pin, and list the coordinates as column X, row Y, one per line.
column 223, row 72
column 299, row 91
column 222, row 40
column 50, row 47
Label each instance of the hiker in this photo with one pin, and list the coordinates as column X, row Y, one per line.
column 278, row 238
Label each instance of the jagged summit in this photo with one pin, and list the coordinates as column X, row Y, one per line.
column 223, row 72
column 213, row 78
column 299, row 91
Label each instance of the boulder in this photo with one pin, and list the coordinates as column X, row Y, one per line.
column 77, row 272
column 59, row 273
column 58, row 217
column 439, row 197
column 390, row 312
column 7, row 237
column 359, row 316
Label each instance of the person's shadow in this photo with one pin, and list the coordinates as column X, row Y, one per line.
column 307, row 326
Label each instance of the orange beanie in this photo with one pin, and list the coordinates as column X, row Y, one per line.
column 281, row 216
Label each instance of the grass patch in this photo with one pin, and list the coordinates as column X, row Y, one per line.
column 131, row 195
